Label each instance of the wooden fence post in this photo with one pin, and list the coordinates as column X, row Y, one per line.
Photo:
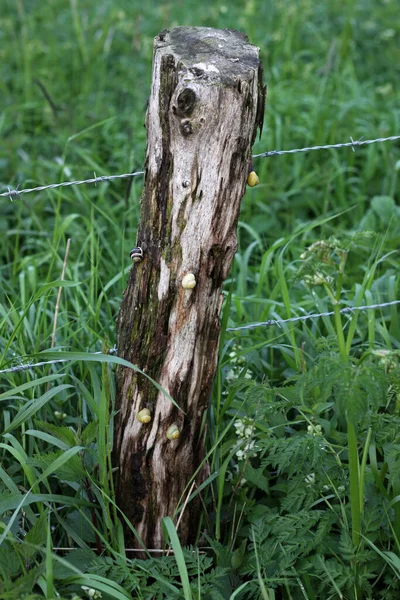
column 206, row 103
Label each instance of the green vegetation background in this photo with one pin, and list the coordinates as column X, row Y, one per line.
column 303, row 500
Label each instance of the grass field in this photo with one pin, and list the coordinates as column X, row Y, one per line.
column 304, row 423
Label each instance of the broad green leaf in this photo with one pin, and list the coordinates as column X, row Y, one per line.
column 35, row 538
column 26, row 386
column 62, row 433
column 89, row 433
column 256, row 477
column 31, row 408
column 72, row 470
column 9, row 561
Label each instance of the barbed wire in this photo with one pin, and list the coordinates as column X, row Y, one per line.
column 269, row 323
column 52, row 186
column 28, row 366
column 279, row 322
column 353, row 144
column 11, row 193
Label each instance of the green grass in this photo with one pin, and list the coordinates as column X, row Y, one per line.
column 303, row 441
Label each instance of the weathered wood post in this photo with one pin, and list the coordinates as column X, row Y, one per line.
column 206, row 103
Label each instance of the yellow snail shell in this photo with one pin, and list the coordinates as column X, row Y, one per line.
column 144, row 415
column 189, row 281
column 173, row 432
column 252, row 179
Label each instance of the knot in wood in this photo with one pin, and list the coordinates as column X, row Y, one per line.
column 186, row 101
column 186, row 127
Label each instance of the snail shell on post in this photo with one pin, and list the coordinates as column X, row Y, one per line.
column 144, row 415
column 189, row 281
column 173, row 432
column 136, row 254
column 252, row 179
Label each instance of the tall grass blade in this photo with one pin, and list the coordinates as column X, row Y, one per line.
column 172, row 537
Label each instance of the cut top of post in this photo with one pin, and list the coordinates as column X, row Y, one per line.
column 207, row 83
column 212, row 54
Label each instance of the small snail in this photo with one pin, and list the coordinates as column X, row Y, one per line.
column 173, row 432
column 252, row 179
column 189, row 281
column 136, row 254
column 144, row 415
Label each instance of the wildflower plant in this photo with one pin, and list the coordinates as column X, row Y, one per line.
column 245, row 433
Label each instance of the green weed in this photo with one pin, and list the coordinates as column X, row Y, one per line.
column 302, row 497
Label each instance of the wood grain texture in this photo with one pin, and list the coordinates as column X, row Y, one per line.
column 203, row 113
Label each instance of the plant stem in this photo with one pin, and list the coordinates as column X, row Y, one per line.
column 354, row 482
column 335, row 297
column 336, row 308
column 339, row 332
column 362, row 470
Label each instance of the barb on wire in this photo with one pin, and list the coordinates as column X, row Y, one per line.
column 52, row 186
column 29, row 365
column 347, row 309
column 16, row 192
column 351, row 144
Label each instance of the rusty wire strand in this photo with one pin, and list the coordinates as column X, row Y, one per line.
column 269, row 323
column 343, row 311
column 12, row 193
